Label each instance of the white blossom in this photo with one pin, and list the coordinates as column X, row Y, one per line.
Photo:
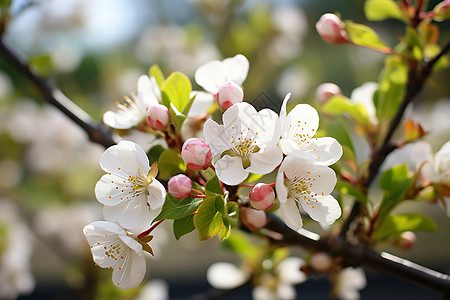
column 298, row 131
column 112, row 247
column 129, row 188
column 301, row 182
column 349, row 282
column 246, row 142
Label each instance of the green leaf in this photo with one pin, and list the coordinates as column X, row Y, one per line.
column 170, row 163
column 42, row 65
column 394, row 225
column 225, row 232
column 379, row 10
column 347, row 188
column 176, row 90
column 232, row 213
column 208, row 219
column 337, row 130
column 253, row 177
column 365, row 36
column 338, row 105
column 154, row 153
column 176, row 209
column 183, row 226
column 213, row 185
column 188, row 106
column 395, row 182
column 176, row 117
column 156, row 72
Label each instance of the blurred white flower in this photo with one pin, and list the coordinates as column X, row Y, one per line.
column 112, row 247
column 246, row 142
column 349, row 282
column 155, row 289
column 300, row 182
column 15, row 252
column 129, row 189
column 364, row 95
column 224, row 275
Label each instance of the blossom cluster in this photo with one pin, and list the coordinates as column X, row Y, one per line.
column 245, row 142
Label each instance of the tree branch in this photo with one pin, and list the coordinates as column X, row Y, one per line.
column 97, row 132
column 415, row 83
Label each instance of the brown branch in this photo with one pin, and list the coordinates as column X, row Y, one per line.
column 415, row 83
column 97, row 132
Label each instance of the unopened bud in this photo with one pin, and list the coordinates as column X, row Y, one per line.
column 331, row 29
column 180, row 186
column 252, row 218
column 321, row 262
column 158, row 117
column 229, row 93
column 262, row 196
column 327, row 90
column 196, row 154
column 407, row 240
column 442, row 11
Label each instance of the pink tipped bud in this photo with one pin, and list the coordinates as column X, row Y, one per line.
column 331, row 29
column 196, row 154
column 229, row 93
column 253, row 219
column 158, row 117
column 321, row 262
column 407, row 240
column 180, row 186
column 442, row 11
column 327, row 90
column 262, row 196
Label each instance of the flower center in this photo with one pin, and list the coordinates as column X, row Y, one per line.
column 244, row 144
column 130, row 108
column 299, row 135
column 299, row 188
column 134, row 184
column 114, row 251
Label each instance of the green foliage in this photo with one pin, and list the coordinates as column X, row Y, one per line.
column 393, row 79
column 213, row 186
column 394, row 182
column 394, row 225
column 176, row 90
column 347, row 188
column 154, row 153
column 240, row 244
column 379, row 10
column 170, row 163
column 42, row 65
column 337, row 130
column 209, row 218
column 178, row 208
column 156, row 72
column 338, row 105
column 365, row 36
column 183, row 226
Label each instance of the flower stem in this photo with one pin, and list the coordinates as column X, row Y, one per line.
column 147, row 232
column 197, row 196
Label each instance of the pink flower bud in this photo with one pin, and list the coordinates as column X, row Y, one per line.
column 262, row 196
column 180, row 186
column 196, row 154
column 331, row 29
column 441, row 10
column 158, row 117
column 407, row 240
column 327, row 90
column 253, row 219
column 229, row 93
column 321, row 262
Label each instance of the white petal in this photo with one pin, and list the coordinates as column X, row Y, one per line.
column 216, row 137
column 281, row 189
column 202, row 102
column 289, row 270
column 236, row 68
column 157, row 194
column 289, row 147
column 291, row 214
column 327, row 150
column 128, row 214
column 146, row 92
column 110, row 190
column 100, row 228
column 229, row 170
column 264, row 162
column 132, row 271
column 211, row 76
column 223, row 275
column 286, row 292
column 322, row 209
column 261, row 292
column 442, row 158
column 126, row 158
column 120, row 120
column 445, row 205
column 283, row 107
column 302, row 120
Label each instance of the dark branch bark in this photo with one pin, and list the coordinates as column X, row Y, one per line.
column 97, row 132
column 353, row 255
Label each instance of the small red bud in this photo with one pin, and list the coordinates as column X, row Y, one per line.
column 262, row 196
column 229, row 93
column 180, row 186
column 196, row 154
column 327, row 90
column 158, row 117
column 331, row 29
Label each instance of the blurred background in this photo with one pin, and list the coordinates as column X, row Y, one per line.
column 95, row 51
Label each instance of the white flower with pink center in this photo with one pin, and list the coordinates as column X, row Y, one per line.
column 129, row 188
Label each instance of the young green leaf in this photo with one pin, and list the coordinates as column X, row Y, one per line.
column 394, row 225
column 170, row 163
column 208, row 219
column 345, row 187
column 156, row 72
column 176, row 117
column 213, row 185
column 183, row 226
column 338, row 105
column 379, row 10
column 176, row 90
column 176, row 209
column 154, row 153
column 365, row 36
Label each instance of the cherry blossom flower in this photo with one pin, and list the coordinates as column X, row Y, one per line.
column 435, row 170
column 212, row 75
column 246, row 142
column 112, row 247
column 301, row 182
column 298, row 131
column 129, row 189
column 134, row 111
